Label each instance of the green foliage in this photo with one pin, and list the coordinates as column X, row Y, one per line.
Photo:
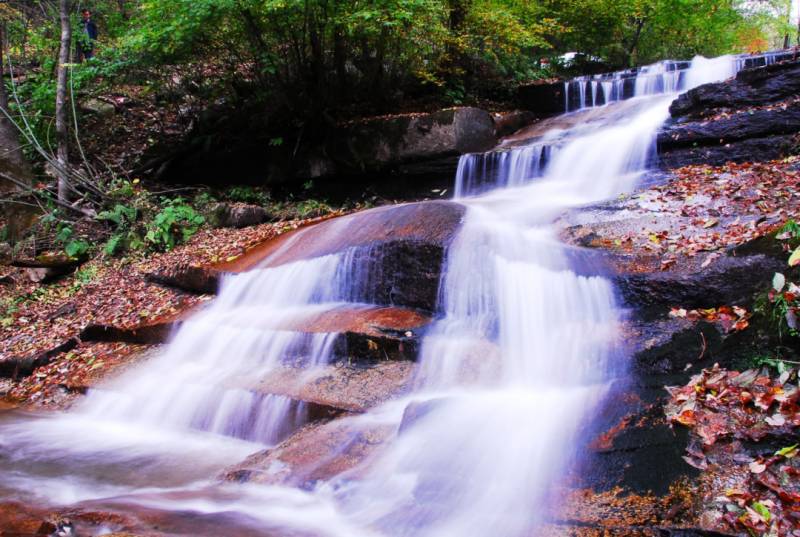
column 247, row 194
column 176, row 223
column 75, row 247
column 781, row 304
column 311, row 209
column 773, row 362
column 624, row 32
column 121, row 215
column 123, row 218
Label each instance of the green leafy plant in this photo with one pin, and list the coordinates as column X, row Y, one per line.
column 82, row 277
column 781, row 365
column 176, row 223
column 312, row 208
column 122, row 217
column 74, row 247
column 247, row 194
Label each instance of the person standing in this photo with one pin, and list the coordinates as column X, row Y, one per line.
column 87, row 36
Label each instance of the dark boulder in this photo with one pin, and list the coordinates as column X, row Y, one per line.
column 190, row 278
column 763, row 125
column 750, row 150
column 729, row 280
column 751, row 87
column 397, row 251
column 238, row 215
column 741, row 126
column 366, row 152
column 383, row 143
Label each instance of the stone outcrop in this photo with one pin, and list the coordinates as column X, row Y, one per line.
column 754, row 117
column 191, row 278
column 398, row 250
column 375, row 145
column 238, row 215
column 769, row 84
column 418, row 146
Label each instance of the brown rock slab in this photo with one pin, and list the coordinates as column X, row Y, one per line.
column 367, row 333
column 400, row 248
column 433, row 222
column 190, row 278
column 341, row 387
column 317, row 451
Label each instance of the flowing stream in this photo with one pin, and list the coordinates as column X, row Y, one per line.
column 525, row 348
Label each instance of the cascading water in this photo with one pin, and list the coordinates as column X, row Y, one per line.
column 524, row 349
column 660, row 78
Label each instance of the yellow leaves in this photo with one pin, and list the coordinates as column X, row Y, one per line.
column 794, row 259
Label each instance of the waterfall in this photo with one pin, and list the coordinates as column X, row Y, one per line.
column 523, row 350
column 666, row 77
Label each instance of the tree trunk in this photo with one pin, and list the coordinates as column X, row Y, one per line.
column 458, row 14
column 122, row 10
column 62, row 125
column 15, row 171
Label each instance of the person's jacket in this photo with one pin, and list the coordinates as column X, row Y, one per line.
column 90, row 29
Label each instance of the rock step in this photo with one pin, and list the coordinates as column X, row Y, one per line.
column 366, row 333
column 399, row 248
column 315, row 452
column 339, row 387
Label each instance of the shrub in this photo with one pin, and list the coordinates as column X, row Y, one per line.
column 176, row 223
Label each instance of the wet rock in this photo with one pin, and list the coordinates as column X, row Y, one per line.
column 380, row 143
column 751, row 87
column 751, row 150
column 674, row 346
column 415, row 411
column 396, row 250
column 340, row 388
column 191, row 278
column 238, row 215
column 741, row 126
column 366, row 335
column 510, row 122
column 729, row 280
column 317, row 451
column 703, row 134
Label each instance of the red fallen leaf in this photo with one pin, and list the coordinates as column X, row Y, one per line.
column 771, row 482
column 687, row 417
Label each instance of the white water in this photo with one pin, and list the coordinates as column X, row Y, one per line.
column 662, row 78
column 524, row 351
